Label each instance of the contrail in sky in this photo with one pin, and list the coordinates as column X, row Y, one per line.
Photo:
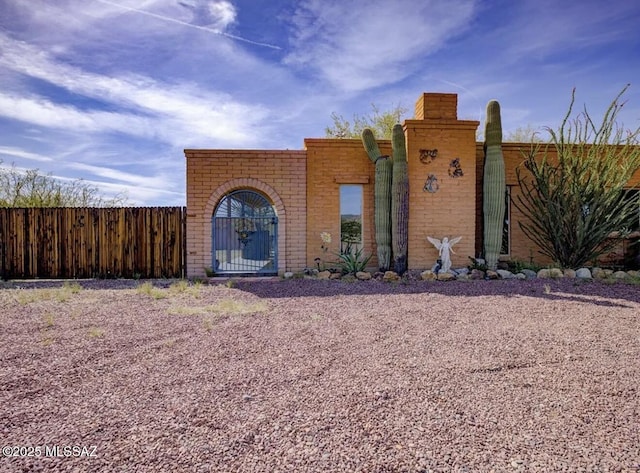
column 184, row 23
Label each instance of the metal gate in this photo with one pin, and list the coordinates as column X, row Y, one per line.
column 245, row 235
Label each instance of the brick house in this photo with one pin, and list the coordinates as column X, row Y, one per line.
column 263, row 211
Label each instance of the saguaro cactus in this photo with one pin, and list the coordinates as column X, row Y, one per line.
column 382, row 198
column 399, row 201
column 494, row 186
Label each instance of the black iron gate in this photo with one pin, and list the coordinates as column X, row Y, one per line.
column 245, row 235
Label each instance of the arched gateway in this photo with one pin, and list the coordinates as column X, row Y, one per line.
column 245, row 234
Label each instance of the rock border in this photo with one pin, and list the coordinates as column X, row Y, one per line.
column 466, row 274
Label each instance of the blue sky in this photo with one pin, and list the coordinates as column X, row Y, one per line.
column 112, row 91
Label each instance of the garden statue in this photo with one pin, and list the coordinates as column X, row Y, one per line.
column 445, row 247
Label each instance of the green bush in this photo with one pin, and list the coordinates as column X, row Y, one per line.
column 353, row 262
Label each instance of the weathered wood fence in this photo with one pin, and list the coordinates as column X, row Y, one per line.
column 128, row 242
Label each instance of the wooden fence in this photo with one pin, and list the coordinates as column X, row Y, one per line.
column 128, row 242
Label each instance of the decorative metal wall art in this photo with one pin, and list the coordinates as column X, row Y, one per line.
column 454, row 168
column 428, row 155
column 431, row 185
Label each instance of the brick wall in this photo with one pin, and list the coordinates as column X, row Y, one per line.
column 279, row 175
column 451, row 211
column 304, row 187
column 331, row 163
column 522, row 248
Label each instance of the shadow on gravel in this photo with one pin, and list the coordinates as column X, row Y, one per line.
column 575, row 290
column 593, row 292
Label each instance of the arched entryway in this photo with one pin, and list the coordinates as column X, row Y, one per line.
column 245, row 234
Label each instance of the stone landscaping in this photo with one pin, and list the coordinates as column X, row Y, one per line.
column 465, row 274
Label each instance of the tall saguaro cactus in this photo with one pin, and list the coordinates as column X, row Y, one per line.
column 382, row 198
column 399, row 201
column 494, row 185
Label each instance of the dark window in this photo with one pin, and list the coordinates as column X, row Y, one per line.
column 350, row 217
column 505, row 249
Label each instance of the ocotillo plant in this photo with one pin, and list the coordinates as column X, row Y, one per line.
column 494, row 186
column 382, row 198
column 399, row 201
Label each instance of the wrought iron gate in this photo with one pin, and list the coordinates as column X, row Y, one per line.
column 245, row 235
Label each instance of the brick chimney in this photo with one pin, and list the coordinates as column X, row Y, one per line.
column 437, row 106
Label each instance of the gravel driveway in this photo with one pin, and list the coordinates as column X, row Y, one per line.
column 321, row 376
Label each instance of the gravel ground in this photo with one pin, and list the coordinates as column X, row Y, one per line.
column 321, row 376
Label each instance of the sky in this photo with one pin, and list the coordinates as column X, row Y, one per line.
column 113, row 91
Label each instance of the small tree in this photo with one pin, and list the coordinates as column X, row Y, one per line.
column 30, row 188
column 381, row 123
column 576, row 200
column 526, row 134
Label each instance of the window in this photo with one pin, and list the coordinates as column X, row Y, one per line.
column 350, row 217
column 505, row 249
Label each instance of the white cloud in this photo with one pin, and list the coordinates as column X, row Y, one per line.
column 210, row 16
column 176, row 114
column 356, row 47
column 223, row 13
column 42, row 112
column 137, row 194
column 120, row 176
column 21, row 153
column 218, row 15
column 140, row 189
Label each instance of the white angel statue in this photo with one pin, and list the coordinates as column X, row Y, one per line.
column 445, row 247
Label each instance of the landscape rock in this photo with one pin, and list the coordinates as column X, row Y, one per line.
column 324, row 274
column 390, row 276
column 504, row 274
column 446, row 276
column 428, row 275
column 480, row 261
column 363, row 275
column 569, row 273
column 288, row 275
column 556, row 273
column 335, row 276
column 521, row 276
column 492, row 274
column 477, row 274
column 530, row 274
column 620, row 275
column 634, row 274
column 583, row 273
column 544, row 273
column 598, row 273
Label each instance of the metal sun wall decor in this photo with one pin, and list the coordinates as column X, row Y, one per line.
column 431, row 185
column 428, row 155
column 455, row 170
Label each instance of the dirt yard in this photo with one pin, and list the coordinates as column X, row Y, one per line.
column 320, row 376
